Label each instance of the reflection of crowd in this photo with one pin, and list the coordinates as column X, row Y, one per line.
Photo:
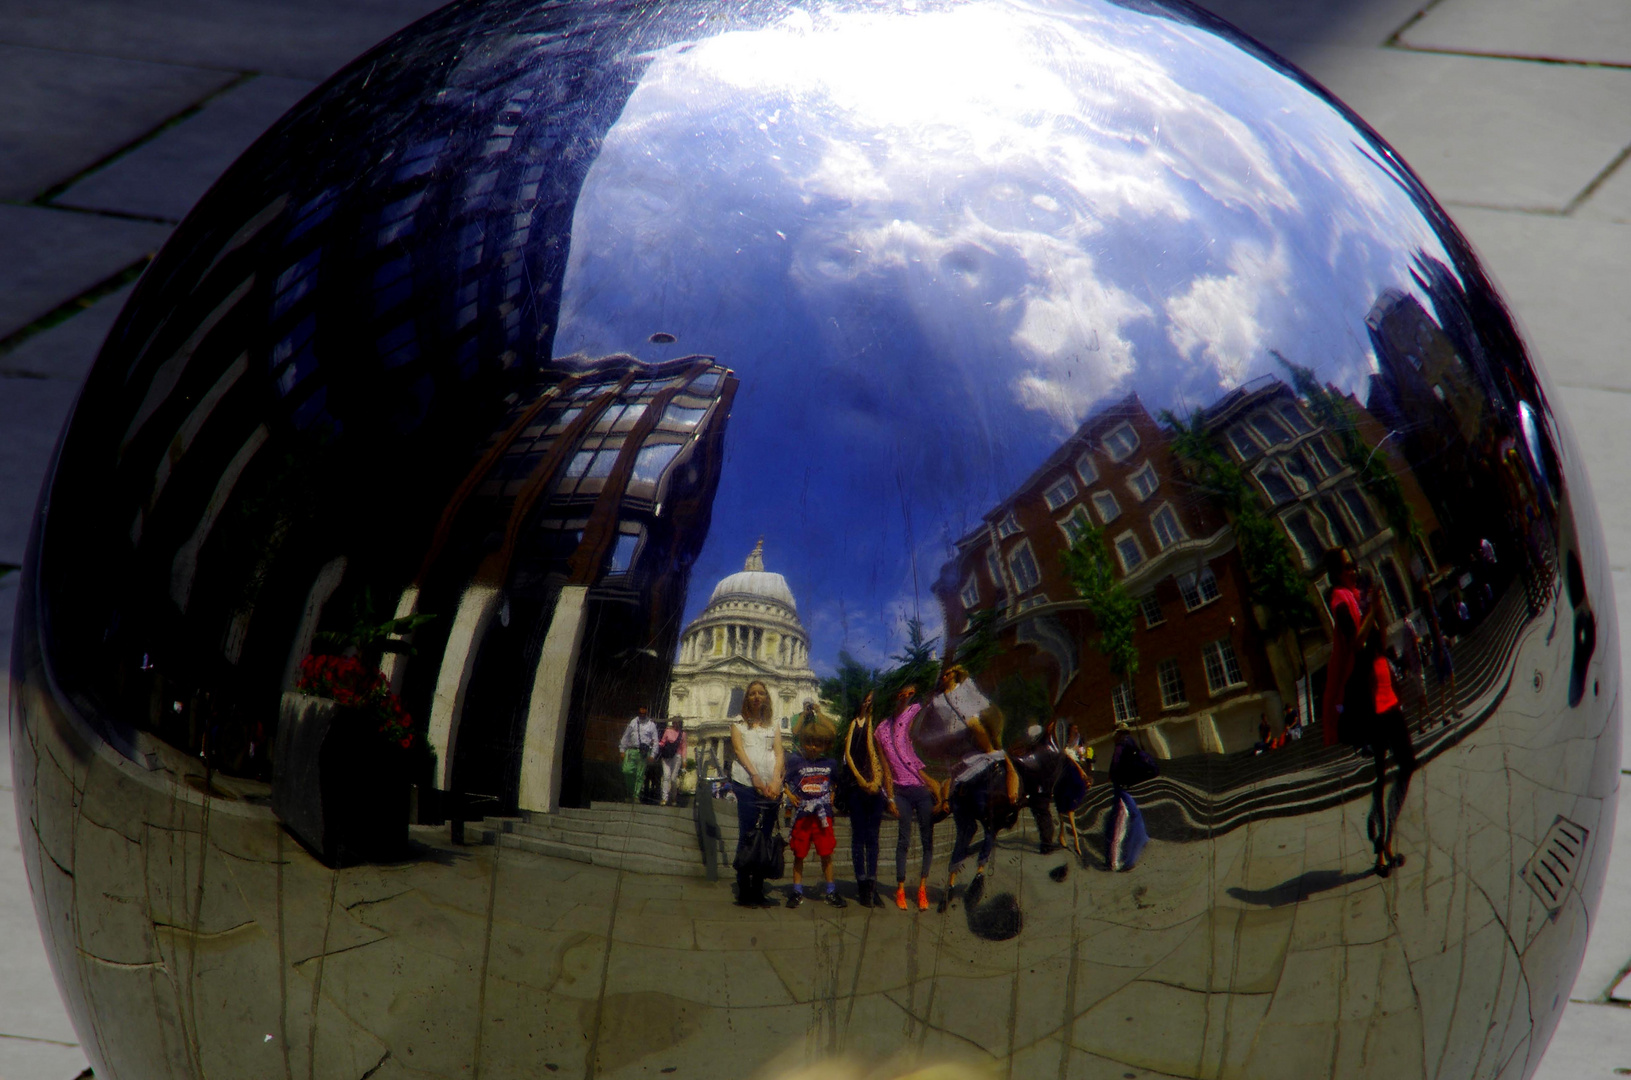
column 875, row 769
column 654, row 767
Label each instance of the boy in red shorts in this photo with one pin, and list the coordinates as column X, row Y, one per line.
column 809, row 784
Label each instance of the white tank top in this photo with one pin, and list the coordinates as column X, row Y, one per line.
column 759, row 746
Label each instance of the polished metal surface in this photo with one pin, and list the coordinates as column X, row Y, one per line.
column 1070, row 397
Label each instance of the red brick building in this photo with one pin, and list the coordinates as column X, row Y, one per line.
column 1204, row 678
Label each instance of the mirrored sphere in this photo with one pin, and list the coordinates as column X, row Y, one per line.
column 709, row 540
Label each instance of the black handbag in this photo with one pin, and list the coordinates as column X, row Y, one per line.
column 1132, row 766
column 764, row 852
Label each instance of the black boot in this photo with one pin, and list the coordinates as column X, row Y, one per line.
column 744, row 890
column 863, row 891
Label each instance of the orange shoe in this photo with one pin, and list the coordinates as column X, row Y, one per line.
column 923, row 898
column 900, row 896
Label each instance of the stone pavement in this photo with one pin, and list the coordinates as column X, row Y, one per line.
column 1517, row 116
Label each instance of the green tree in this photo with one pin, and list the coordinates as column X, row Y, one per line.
column 1089, row 567
column 1276, row 583
column 848, row 687
column 915, row 665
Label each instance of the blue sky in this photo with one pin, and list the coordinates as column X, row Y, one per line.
column 931, row 243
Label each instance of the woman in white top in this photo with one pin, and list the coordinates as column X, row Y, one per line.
column 756, row 778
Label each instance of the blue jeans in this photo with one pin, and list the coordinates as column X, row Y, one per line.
column 865, row 823
column 913, row 802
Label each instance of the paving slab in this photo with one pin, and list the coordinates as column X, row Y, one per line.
column 1499, row 133
column 67, row 350
column 48, row 257
column 65, row 111
column 1601, row 420
column 1608, row 950
column 1565, row 278
column 302, row 39
column 165, row 177
column 32, row 412
column 1612, row 199
column 1592, row 1042
column 1595, row 31
column 1291, row 26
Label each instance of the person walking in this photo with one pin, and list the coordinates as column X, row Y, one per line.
column 985, row 788
column 639, row 744
column 757, row 772
column 863, row 781
column 671, row 759
column 911, row 794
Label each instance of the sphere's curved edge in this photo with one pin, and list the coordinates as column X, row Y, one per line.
column 1068, row 415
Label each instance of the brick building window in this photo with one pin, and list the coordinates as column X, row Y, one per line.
column 970, row 595
column 1105, row 503
column 1151, row 608
column 1143, row 481
column 1085, row 468
column 1022, row 561
column 1008, row 526
column 1075, row 526
column 1124, row 703
column 1198, row 589
column 1164, row 522
column 1061, row 492
column 1172, row 685
column 1121, row 442
column 994, row 568
column 1222, row 668
column 1129, row 551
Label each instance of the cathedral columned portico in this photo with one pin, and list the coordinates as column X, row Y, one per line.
column 749, row 631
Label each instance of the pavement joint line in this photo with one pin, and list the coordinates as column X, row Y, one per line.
column 45, row 197
column 35, row 1039
column 69, row 308
column 1597, row 181
column 1416, row 17
column 37, row 47
column 1478, row 54
column 90, row 211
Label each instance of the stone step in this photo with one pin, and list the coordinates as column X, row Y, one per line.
column 577, row 830
column 612, row 860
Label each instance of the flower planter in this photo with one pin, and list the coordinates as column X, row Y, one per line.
column 337, row 787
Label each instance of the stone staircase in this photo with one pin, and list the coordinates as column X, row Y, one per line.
column 620, row 836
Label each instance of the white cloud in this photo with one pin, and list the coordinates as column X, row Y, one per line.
column 1219, row 318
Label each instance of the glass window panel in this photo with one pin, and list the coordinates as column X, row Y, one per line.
column 1302, row 531
column 1121, row 442
column 1125, row 704
column 580, row 463
column 1105, row 504
column 1339, row 524
column 1363, row 517
column 623, row 553
column 1165, row 524
column 1275, row 484
column 1151, row 608
column 1243, row 443
column 683, row 418
column 1008, row 526
column 1172, row 685
column 653, row 460
column 1326, row 458
column 1131, row 554
column 1294, row 417
column 1272, row 430
column 970, row 596
column 1143, row 482
column 1023, row 563
column 1060, row 493
column 1085, row 468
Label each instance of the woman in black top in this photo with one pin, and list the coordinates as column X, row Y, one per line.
column 863, row 780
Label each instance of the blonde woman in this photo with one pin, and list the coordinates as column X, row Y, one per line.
column 865, row 779
column 757, row 771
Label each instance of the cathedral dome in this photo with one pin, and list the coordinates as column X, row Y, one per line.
column 758, row 584
column 754, row 581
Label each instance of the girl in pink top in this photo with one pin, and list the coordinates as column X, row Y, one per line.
column 908, row 788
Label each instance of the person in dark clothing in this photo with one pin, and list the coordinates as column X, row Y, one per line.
column 864, row 780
